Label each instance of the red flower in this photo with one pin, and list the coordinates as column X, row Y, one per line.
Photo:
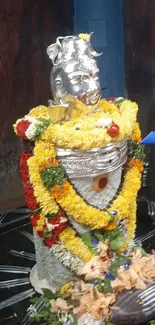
column 25, row 156
column 111, row 99
column 34, row 220
column 50, row 241
column 61, row 213
column 113, row 130
column 40, row 233
column 32, row 203
column 23, row 162
column 58, row 230
column 22, row 126
column 54, row 221
column 25, row 176
column 28, row 189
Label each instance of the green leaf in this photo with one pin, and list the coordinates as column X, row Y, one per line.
column 49, row 294
column 51, row 215
column 47, row 234
column 100, row 283
column 34, row 300
column 87, row 239
column 98, row 235
column 137, row 151
column 117, row 243
column 110, row 235
column 41, row 127
column 110, row 323
column 141, row 249
column 107, row 286
column 52, row 175
column 115, row 265
column 37, row 211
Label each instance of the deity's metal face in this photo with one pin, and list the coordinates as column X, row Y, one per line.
column 75, row 71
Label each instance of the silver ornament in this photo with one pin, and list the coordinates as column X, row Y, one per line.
column 75, row 71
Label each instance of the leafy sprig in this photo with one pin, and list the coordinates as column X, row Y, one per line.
column 53, row 175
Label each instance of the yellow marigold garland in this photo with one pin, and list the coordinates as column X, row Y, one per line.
column 136, row 134
column 82, row 212
column 75, row 245
column 84, row 134
column 40, row 223
column 40, row 111
column 43, row 151
column 128, row 194
column 136, row 162
column 75, row 206
column 43, row 197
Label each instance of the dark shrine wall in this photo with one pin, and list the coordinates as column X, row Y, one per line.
column 26, row 29
column 139, row 35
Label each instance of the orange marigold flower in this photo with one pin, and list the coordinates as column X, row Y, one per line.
column 136, row 163
column 110, row 226
column 59, row 191
column 48, row 163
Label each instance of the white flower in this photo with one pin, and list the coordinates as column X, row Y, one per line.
column 30, row 132
column 103, row 122
column 31, row 119
column 50, row 226
column 63, row 219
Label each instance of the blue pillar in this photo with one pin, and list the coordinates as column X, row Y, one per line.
column 104, row 18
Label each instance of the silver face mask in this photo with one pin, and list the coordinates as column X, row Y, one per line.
column 75, row 71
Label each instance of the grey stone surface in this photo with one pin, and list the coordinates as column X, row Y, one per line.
column 49, row 267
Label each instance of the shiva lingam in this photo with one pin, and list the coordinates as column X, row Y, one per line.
column 95, row 173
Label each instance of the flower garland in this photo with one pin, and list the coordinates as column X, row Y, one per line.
column 84, row 134
column 30, row 128
column 52, row 189
column 75, row 244
column 28, row 188
column 64, row 192
column 74, row 205
column 115, row 123
column 37, row 220
column 43, row 197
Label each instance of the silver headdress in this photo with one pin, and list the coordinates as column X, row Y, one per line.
column 75, row 71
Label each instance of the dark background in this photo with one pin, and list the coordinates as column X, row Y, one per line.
column 139, row 38
column 26, row 29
